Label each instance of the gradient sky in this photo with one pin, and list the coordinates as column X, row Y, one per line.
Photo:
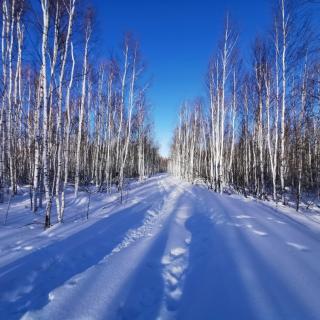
column 177, row 39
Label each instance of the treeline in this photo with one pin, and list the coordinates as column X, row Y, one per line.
column 64, row 118
column 259, row 130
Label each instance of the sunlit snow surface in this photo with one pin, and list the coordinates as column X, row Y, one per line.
column 171, row 251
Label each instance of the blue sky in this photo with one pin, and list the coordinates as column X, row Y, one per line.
column 177, row 39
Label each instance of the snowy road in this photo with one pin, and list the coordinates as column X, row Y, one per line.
column 173, row 251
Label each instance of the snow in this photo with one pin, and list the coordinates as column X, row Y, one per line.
column 172, row 251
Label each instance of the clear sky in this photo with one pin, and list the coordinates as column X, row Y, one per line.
column 177, row 39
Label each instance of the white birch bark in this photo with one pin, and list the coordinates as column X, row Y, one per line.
column 82, row 107
column 71, row 10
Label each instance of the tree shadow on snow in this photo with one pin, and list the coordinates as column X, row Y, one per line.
column 26, row 283
column 283, row 298
column 229, row 278
column 144, row 290
column 213, row 288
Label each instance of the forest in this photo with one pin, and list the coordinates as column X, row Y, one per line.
column 64, row 119
column 258, row 131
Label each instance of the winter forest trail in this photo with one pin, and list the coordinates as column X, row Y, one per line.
column 172, row 251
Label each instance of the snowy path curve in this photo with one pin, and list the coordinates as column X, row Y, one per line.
column 173, row 251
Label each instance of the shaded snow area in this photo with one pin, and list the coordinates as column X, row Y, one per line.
column 171, row 251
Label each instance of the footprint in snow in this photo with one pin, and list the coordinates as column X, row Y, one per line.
column 173, row 274
column 177, row 252
column 166, row 260
column 173, row 300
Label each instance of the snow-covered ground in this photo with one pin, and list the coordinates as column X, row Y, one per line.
column 171, row 251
